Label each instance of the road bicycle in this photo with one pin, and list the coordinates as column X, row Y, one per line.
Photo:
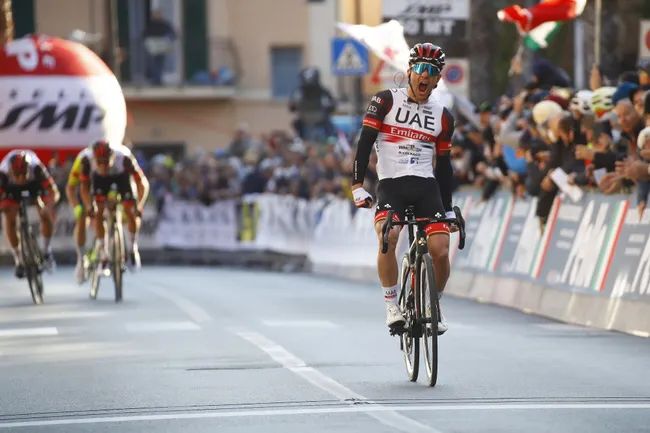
column 116, row 249
column 32, row 255
column 417, row 280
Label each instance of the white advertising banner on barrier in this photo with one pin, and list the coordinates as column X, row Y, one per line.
column 286, row 224
column 187, row 225
column 346, row 236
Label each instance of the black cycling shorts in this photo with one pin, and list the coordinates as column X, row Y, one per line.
column 422, row 193
column 102, row 185
column 13, row 193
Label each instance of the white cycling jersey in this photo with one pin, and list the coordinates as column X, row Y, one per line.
column 4, row 165
column 409, row 133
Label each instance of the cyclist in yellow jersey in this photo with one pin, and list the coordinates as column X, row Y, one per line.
column 81, row 218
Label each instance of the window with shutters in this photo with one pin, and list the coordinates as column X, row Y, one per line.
column 286, row 63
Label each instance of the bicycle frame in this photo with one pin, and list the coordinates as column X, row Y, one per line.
column 418, row 245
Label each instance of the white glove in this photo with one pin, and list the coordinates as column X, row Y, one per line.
column 362, row 198
column 450, row 214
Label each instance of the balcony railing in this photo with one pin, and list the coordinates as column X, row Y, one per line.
column 198, row 69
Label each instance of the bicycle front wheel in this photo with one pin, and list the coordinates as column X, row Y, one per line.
column 33, row 263
column 409, row 344
column 429, row 312
column 94, row 270
column 118, row 261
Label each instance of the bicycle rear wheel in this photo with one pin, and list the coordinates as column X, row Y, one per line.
column 33, row 262
column 429, row 311
column 409, row 345
column 117, row 260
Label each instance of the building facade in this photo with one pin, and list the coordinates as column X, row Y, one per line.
column 233, row 62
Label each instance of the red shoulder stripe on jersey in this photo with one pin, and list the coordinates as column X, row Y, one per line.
column 367, row 121
column 443, row 147
column 47, row 182
column 137, row 174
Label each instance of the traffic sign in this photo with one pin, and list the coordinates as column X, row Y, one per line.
column 453, row 74
column 349, row 57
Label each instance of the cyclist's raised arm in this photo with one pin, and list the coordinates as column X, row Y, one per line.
column 444, row 171
column 47, row 182
column 132, row 167
column 379, row 106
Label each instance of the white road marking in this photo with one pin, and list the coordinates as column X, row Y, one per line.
column 53, row 315
column 566, row 327
column 28, row 332
column 195, row 312
column 294, row 364
column 365, row 409
column 161, row 326
column 299, row 324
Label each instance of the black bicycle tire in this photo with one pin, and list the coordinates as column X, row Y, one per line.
column 431, row 363
column 412, row 368
column 95, row 277
column 30, row 265
column 40, row 264
column 118, row 257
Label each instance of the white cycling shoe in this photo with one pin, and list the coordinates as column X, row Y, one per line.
column 80, row 272
column 394, row 317
column 442, row 325
column 134, row 264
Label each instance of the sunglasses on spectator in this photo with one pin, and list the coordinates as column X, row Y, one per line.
column 419, row 68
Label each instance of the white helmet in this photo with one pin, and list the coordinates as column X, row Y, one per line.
column 544, row 109
column 581, row 101
column 601, row 100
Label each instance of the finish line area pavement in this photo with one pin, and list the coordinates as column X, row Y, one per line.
column 215, row 349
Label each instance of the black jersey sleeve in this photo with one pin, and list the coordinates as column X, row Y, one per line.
column 84, row 170
column 4, row 181
column 132, row 167
column 443, row 143
column 373, row 120
column 43, row 176
column 444, row 171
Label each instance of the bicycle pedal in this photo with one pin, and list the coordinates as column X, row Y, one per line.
column 400, row 330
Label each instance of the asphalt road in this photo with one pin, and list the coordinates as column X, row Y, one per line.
column 205, row 350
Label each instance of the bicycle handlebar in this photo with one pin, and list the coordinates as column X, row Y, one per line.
column 458, row 221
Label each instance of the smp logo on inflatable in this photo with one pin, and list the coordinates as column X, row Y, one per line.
column 56, row 95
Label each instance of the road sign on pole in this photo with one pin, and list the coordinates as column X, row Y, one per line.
column 349, row 57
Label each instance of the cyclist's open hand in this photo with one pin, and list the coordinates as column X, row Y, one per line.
column 362, row 198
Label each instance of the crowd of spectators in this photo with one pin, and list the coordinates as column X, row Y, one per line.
column 596, row 136
column 276, row 162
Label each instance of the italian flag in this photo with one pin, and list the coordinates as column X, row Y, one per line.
column 539, row 23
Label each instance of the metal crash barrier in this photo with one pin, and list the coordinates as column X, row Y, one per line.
column 590, row 265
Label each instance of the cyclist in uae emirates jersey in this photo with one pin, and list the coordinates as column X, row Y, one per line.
column 408, row 127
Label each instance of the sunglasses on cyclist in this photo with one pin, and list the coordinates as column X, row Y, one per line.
column 419, row 68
